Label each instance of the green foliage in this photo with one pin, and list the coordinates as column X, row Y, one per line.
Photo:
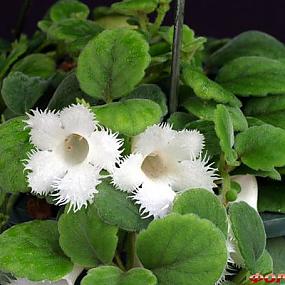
column 253, row 76
column 129, row 117
column 265, row 263
column 65, row 9
column 207, row 89
column 112, row 64
column 255, row 147
column 205, row 205
column 181, row 250
column 110, row 275
column 14, row 146
column 20, row 91
column 31, row 250
column 251, row 43
column 179, row 120
column 134, row 7
column 249, row 233
column 36, row 65
column 86, row 239
column 122, row 212
column 225, row 132
column 276, row 248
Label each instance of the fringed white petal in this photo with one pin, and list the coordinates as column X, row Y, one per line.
column 46, row 129
column 43, row 168
column 129, row 176
column 77, row 119
column 155, row 199
column 78, row 186
column 153, row 139
column 104, row 149
column 249, row 189
column 187, row 144
column 195, row 173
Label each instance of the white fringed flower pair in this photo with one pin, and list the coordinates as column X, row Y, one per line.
column 72, row 149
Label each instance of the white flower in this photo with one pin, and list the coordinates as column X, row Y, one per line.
column 163, row 162
column 71, row 151
column 69, row 279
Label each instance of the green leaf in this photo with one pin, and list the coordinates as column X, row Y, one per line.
column 262, row 147
column 65, row 9
column 101, row 63
column 14, row 146
column 67, row 92
column 36, row 64
column 75, row 32
column 265, row 263
column 249, row 233
column 110, row 275
column 207, row 89
column 253, row 76
column 205, row 110
column 151, row 92
column 86, row 239
column 122, row 212
column 134, row 7
column 182, row 250
column 271, row 196
column 251, row 43
column 205, row 205
column 225, row 132
column 179, row 120
column 21, row 92
column 129, row 117
column 276, row 248
column 31, row 250
column 207, row 128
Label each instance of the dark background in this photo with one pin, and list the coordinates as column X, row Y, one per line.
column 215, row 18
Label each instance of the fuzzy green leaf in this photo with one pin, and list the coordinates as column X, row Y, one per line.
column 276, row 248
column 113, row 63
column 65, row 9
column 110, row 275
column 249, row 233
column 182, row 250
column 86, row 239
column 253, row 76
column 262, row 147
column 14, row 146
column 251, row 43
column 179, row 120
column 20, row 92
column 129, row 117
column 225, row 132
column 207, row 89
column 204, row 204
column 134, row 7
column 265, row 263
column 31, row 250
column 36, row 64
column 122, row 212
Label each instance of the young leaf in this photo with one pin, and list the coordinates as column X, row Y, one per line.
column 182, row 250
column 31, row 250
column 20, row 92
column 65, row 9
column 205, row 205
column 249, row 233
column 205, row 110
column 265, row 263
column 122, row 212
column 253, row 76
column 14, row 146
column 207, row 89
column 262, row 147
column 36, row 65
column 251, row 43
column 225, row 132
column 135, row 7
column 129, row 117
column 110, row 275
column 113, row 63
column 151, row 92
column 86, row 239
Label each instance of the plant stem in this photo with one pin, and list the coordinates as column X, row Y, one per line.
column 226, row 186
column 21, row 20
column 119, row 262
column 175, row 66
column 161, row 12
column 143, row 20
